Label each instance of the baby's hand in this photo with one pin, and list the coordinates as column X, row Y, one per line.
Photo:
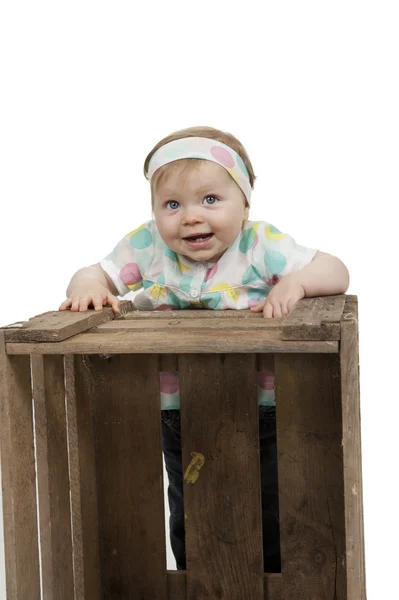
column 281, row 299
column 96, row 296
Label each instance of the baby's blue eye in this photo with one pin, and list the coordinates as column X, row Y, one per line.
column 174, row 203
column 214, row 199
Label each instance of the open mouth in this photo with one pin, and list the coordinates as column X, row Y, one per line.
column 202, row 240
column 199, row 238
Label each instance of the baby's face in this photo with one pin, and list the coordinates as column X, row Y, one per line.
column 206, row 202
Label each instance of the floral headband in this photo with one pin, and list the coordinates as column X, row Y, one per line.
column 207, row 149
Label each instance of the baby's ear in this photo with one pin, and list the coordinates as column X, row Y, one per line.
column 246, row 213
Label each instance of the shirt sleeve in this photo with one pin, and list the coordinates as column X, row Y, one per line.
column 277, row 254
column 128, row 261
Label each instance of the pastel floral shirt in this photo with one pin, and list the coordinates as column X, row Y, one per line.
column 259, row 257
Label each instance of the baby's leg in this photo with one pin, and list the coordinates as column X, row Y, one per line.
column 269, row 483
column 171, row 446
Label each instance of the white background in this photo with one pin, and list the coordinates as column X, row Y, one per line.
column 311, row 90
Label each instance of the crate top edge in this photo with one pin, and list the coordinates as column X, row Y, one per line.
column 309, row 314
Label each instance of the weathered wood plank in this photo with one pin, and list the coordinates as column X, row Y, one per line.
column 330, row 309
column 309, row 434
column 306, row 311
column 333, row 307
column 52, row 477
column 18, row 478
column 265, row 362
column 168, row 362
column 222, row 500
column 350, row 311
column 55, row 326
column 191, row 314
column 181, row 325
column 323, row 331
column 314, row 319
column 177, row 586
column 273, row 587
column 351, row 297
column 128, row 436
column 352, row 453
column 152, row 342
column 82, row 468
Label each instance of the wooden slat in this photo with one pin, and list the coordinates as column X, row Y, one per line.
column 306, row 311
column 333, row 307
column 147, row 342
column 352, row 453
column 323, row 331
column 314, row 319
column 168, row 362
column 222, row 502
column 127, row 425
column 310, row 473
column 311, row 318
column 82, row 468
column 304, row 308
column 273, row 587
column 191, row 314
column 177, row 586
column 351, row 298
column 18, row 478
column 182, row 325
column 265, row 362
column 55, row 326
column 350, row 311
column 53, row 479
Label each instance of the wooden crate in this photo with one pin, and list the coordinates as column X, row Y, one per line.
column 90, row 443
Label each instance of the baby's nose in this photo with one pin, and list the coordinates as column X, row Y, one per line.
column 192, row 216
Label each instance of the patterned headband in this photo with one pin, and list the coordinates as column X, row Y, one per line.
column 207, row 149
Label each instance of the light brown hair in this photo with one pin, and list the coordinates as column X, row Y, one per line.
column 191, row 164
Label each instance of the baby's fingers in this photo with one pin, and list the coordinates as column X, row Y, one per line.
column 264, row 306
column 114, row 302
column 66, row 304
column 268, row 311
column 81, row 303
column 96, row 302
column 258, row 307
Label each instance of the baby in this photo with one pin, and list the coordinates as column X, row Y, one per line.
column 201, row 251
